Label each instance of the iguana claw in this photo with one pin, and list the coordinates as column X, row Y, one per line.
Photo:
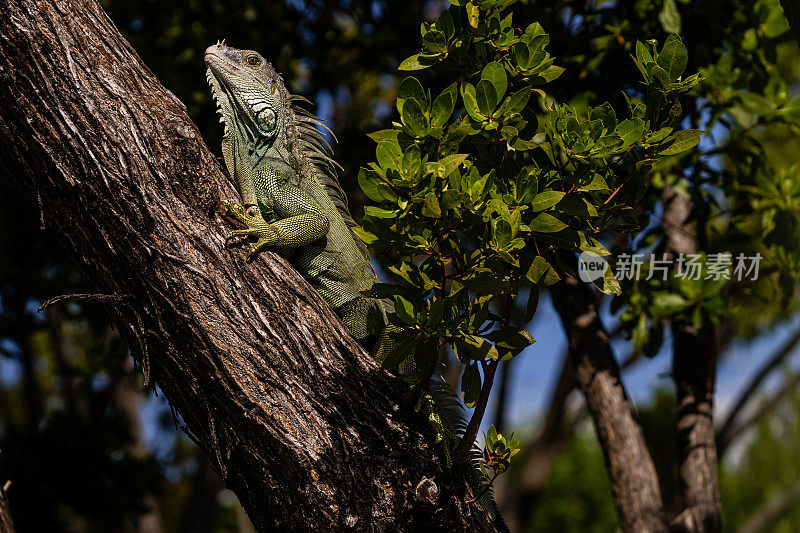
column 256, row 227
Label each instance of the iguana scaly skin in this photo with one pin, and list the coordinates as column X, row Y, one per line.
column 292, row 202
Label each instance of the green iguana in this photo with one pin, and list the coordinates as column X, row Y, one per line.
column 292, row 202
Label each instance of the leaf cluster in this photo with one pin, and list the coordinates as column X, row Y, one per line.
column 479, row 191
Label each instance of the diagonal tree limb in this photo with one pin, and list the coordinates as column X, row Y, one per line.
column 789, row 385
column 773, row 511
column 300, row 423
column 634, row 482
column 747, row 393
column 6, row 523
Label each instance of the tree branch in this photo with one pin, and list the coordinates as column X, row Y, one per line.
column 772, row 363
column 6, row 523
column 790, row 384
column 773, row 511
column 634, row 482
column 300, row 423
column 461, row 453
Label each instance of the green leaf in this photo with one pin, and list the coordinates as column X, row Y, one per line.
column 546, row 223
column 502, row 233
column 471, row 102
column 546, row 199
column 415, row 62
column 681, row 141
column 451, row 199
column 446, row 165
column 474, row 348
column 598, row 183
column 540, row 271
column 434, row 42
column 473, row 15
column 495, row 73
column 776, row 23
column 669, row 17
column 590, row 244
column 470, row 385
column 486, row 97
column 608, row 284
column 491, row 436
column 515, row 104
column 630, row 131
column 389, row 155
column 414, row 117
column 576, row 206
column 404, row 310
column 750, row 40
column 666, row 304
column 410, row 87
column 660, row 74
column 430, row 207
column 384, row 135
column 673, row 57
column 552, row 73
column 510, row 341
column 443, row 106
column 369, row 186
column 412, row 161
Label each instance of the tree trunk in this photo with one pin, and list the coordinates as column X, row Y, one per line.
column 634, row 482
column 694, row 372
column 298, row 420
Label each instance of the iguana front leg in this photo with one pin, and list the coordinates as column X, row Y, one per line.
column 255, row 226
column 300, row 222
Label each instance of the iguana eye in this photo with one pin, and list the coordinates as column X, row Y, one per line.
column 253, row 61
column 266, row 120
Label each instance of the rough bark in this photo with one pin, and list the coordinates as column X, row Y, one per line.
column 634, row 482
column 694, row 373
column 300, row 423
column 6, row 524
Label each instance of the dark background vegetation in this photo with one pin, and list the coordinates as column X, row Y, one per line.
column 88, row 449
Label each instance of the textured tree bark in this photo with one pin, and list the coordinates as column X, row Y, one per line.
column 6, row 524
column 298, row 420
column 694, row 372
column 634, row 482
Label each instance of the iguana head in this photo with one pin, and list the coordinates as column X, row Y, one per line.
column 250, row 96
